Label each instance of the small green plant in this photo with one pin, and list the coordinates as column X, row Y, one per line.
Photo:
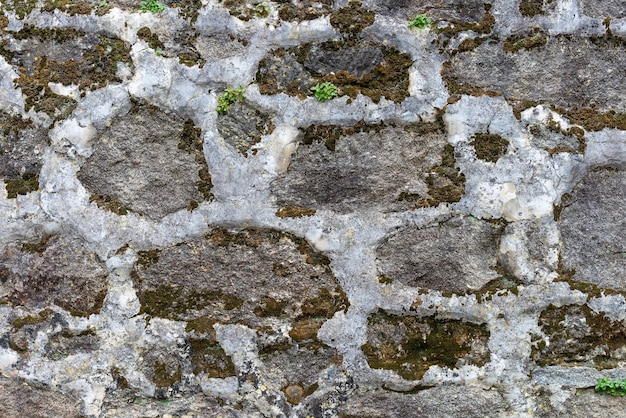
column 152, row 6
column 420, row 22
column 103, row 4
column 324, row 91
column 263, row 9
column 230, row 96
column 612, row 387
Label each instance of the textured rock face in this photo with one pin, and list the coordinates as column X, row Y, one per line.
column 592, row 225
column 146, row 162
column 188, row 230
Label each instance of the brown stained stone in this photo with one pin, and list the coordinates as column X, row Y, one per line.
column 577, row 336
column 530, row 8
column 65, row 274
column 593, row 228
column 449, row 401
column 535, row 38
column 367, row 167
column 570, row 72
column 410, row 345
column 19, row 399
column 148, row 162
column 251, row 277
column 459, row 255
column 352, row 19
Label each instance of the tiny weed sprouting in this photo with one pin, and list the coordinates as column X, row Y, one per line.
column 420, row 22
column 152, row 6
column 103, row 4
column 324, row 91
column 263, row 9
column 612, row 387
column 230, row 96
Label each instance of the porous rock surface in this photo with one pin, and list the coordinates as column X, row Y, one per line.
column 444, row 238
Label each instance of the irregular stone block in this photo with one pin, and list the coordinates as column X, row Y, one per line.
column 593, row 227
column 22, row 145
column 613, row 9
column 242, row 126
column 66, row 343
column 458, row 255
column 588, row 72
column 410, row 345
column 22, row 400
column 443, row 401
column 149, row 162
column 60, row 271
column 449, row 10
column 577, row 336
column 370, row 168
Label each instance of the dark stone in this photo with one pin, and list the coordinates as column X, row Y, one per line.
column 65, row 273
column 22, row 400
column 571, row 72
column 449, row 10
column 593, row 228
column 66, row 343
column 149, row 162
column 364, row 167
column 242, row 126
column 448, row 401
column 584, row 403
column 459, row 255
column 613, row 9
column 21, row 146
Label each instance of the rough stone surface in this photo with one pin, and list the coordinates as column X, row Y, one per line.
column 593, row 227
column 20, row 399
column 456, row 256
column 588, row 72
column 448, row 401
column 140, row 162
column 442, row 239
column 59, row 271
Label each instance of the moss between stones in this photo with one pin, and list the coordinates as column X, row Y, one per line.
column 592, row 119
column 4, row 21
column 145, row 34
column 165, row 376
column 243, row 10
column 147, row 258
column 42, row 316
column 191, row 59
column 530, row 8
column 270, row 307
column 536, row 38
column 22, row 8
column 424, row 342
column 592, row 290
column 38, row 247
column 207, row 356
column 330, row 134
column 294, row 212
column 70, row 7
column 485, row 26
column 189, row 9
column 489, row 147
column 450, row 193
column 109, row 204
column 456, row 89
column 352, row 19
column 95, row 309
column 579, row 336
column 304, row 10
column 28, row 183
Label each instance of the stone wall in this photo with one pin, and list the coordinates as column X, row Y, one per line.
column 443, row 239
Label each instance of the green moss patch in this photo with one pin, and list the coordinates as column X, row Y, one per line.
column 189, row 9
column 410, row 345
column 445, row 182
column 42, row 316
column 294, row 212
column 592, row 119
column 535, row 38
column 28, row 183
column 578, row 336
column 489, row 147
column 109, row 204
column 352, row 19
column 67, row 6
column 208, row 357
column 191, row 141
column 457, row 88
column 22, row 8
column 37, row 247
column 530, row 8
column 304, row 10
column 145, row 34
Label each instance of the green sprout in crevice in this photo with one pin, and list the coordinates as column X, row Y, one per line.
column 612, row 387
column 263, row 10
column 152, row 6
column 230, row 96
column 420, row 21
column 324, row 91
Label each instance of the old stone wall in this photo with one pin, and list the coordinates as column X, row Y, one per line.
column 446, row 238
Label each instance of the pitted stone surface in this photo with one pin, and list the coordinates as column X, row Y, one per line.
column 593, row 227
column 58, row 271
column 612, row 9
column 36, row 402
column 142, row 162
column 457, row 256
column 383, row 168
column 448, row 10
column 449, row 401
column 22, row 145
column 243, row 125
column 588, row 72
